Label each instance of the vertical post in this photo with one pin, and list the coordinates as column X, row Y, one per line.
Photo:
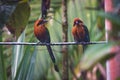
column 108, row 24
column 113, row 65
column 65, row 39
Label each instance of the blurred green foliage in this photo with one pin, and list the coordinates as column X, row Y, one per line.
column 18, row 19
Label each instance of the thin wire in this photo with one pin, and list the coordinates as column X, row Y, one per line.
column 55, row 43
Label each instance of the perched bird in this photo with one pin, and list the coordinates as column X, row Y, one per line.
column 80, row 31
column 42, row 34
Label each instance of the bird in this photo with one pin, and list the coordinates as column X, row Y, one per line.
column 42, row 34
column 80, row 31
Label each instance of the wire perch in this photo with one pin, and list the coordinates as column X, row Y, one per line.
column 52, row 44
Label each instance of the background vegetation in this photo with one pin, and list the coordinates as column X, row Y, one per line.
column 30, row 62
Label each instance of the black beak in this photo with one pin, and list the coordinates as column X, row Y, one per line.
column 42, row 22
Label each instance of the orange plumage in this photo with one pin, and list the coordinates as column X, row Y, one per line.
column 80, row 31
column 42, row 34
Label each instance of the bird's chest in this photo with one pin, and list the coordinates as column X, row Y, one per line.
column 40, row 31
column 80, row 32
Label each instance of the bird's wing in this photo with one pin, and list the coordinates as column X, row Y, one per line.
column 87, row 37
column 47, row 36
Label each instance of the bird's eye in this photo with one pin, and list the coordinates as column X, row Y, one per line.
column 40, row 23
column 79, row 21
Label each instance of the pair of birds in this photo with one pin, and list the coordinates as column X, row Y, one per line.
column 79, row 31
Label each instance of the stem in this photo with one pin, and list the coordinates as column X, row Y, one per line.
column 65, row 39
column 2, row 64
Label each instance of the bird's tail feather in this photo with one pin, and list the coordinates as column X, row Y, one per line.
column 84, row 48
column 52, row 57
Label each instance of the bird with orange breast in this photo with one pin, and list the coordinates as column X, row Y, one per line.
column 80, row 31
column 42, row 34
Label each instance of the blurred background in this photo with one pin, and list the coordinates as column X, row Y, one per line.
column 31, row 62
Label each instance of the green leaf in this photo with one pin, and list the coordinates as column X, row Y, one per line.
column 19, row 19
column 23, row 1
column 30, row 73
column 94, row 54
column 18, row 52
column 111, row 16
column 26, row 68
column 24, row 61
column 42, row 64
column 3, row 75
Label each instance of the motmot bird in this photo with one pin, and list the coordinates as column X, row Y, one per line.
column 80, row 31
column 42, row 34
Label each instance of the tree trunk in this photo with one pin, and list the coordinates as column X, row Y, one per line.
column 65, row 39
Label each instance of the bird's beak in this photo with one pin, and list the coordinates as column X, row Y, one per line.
column 42, row 22
column 45, row 21
column 77, row 23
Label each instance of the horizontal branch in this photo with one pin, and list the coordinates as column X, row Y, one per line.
column 55, row 43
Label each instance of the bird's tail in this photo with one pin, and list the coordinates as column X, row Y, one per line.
column 52, row 57
column 84, row 47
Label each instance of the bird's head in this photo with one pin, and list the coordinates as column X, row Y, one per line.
column 77, row 21
column 41, row 22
